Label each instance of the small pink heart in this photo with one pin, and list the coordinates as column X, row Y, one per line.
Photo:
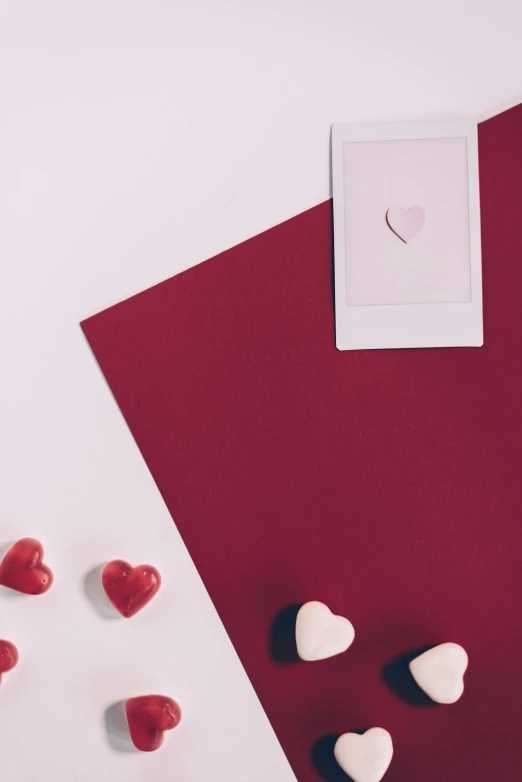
column 405, row 223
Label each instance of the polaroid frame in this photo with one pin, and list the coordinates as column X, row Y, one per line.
column 427, row 325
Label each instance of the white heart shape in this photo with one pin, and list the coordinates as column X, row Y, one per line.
column 405, row 223
column 364, row 758
column 319, row 633
column 440, row 672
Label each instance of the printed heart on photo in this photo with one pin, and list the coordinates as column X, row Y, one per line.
column 319, row 633
column 149, row 716
column 440, row 672
column 364, row 758
column 22, row 568
column 130, row 588
column 8, row 657
column 405, row 223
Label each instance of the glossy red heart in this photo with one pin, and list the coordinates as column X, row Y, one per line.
column 8, row 657
column 148, row 717
column 130, row 588
column 22, row 568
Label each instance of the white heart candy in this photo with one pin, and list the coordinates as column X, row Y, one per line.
column 440, row 671
column 364, row 758
column 319, row 633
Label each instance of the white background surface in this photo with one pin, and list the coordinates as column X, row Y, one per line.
column 137, row 139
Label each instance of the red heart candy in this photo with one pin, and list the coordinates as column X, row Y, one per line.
column 148, row 717
column 8, row 657
column 22, row 568
column 130, row 589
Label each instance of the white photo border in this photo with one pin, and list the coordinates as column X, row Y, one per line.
column 407, row 325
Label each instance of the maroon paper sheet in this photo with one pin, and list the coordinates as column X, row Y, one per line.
column 386, row 484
